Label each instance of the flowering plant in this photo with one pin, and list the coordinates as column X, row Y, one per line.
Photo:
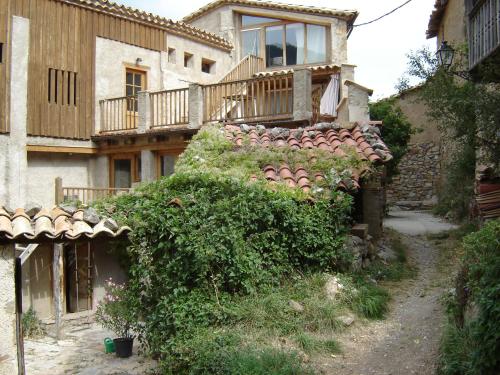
column 115, row 312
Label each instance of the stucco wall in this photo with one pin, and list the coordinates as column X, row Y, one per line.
column 8, row 343
column 452, row 28
column 223, row 21
column 43, row 168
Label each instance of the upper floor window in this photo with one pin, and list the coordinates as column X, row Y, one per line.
column 135, row 81
column 285, row 42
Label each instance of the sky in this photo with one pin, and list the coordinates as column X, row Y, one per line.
column 379, row 50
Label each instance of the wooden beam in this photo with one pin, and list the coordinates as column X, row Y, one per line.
column 58, row 272
column 27, row 252
column 61, row 149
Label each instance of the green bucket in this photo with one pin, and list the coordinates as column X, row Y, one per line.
column 109, row 345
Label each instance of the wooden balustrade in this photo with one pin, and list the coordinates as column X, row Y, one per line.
column 170, row 107
column 245, row 69
column 257, row 99
column 119, row 114
column 484, row 30
column 88, row 195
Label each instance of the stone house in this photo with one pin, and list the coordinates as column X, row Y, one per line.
column 96, row 97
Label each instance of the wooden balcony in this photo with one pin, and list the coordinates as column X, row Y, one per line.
column 84, row 195
column 484, row 30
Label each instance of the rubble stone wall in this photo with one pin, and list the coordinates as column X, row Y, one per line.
column 418, row 180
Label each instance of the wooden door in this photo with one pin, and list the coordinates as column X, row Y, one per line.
column 78, row 264
column 135, row 81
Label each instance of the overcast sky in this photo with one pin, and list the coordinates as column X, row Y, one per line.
column 379, row 50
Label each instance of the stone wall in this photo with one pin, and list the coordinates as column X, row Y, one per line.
column 418, row 180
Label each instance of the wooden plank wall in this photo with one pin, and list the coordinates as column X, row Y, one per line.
column 4, row 26
column 62, row 37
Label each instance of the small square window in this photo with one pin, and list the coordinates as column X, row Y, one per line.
column 188, row 60
column 207, row 66
column 171, row 55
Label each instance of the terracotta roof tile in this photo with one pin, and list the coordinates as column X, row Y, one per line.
column 54, row 225
column 348, row 15
column 328, row 137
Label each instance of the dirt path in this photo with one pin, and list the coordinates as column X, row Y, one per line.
column 407, row 341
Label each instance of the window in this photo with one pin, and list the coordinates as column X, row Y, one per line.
column 167, row 164
column 251, row 42
column 135, row 81
column 253, row 20
column 316, row 42
column 125, row 170
column 171, row 55
column 274, row 46
column 1, row 53
column 207, row 66
column 62, row 87
column 285, row 42
column 188, row 60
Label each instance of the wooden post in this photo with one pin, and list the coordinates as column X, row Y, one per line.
column 11, row 342
column 59, row 193
column 57, row 270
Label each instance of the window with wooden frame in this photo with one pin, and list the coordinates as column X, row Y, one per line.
column 125, row 170
column 283, row 42
column 165, row 163
column 62, row 87
column 135, row 81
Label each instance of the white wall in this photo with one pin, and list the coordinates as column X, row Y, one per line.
column 43, row 169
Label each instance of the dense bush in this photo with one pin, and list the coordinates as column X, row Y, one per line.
column 199, row 240
column 475, row 348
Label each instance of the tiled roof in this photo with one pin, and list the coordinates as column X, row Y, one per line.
column 349, row 15
column 57, row 224
column 313, row 68
column 175, row 27
column 436, row 17
column 329, row 137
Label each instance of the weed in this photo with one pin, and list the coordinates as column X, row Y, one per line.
column 32, row 325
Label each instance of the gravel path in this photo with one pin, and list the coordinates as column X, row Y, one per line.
column 407, row 341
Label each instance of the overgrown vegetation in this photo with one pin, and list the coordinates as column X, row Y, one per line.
column 396, row 130
column 31, row 325
column 216, row 259
column 468, row 116
column 471, row 342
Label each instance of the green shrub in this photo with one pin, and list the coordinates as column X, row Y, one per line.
column 31, row 325
column 474, row 349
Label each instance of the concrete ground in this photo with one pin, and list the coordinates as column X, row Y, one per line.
column 414, row 223
column 81, row 352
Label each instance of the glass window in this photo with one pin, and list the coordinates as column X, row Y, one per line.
column 123, row 173
column 274, row 46
column 295, row 44
column 252, row 20
column 316, row 44
column 251, row 42
column 167, row 166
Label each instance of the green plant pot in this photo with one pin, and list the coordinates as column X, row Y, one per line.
column 123, row 346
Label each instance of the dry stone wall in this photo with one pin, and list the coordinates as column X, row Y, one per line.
column 417, row 183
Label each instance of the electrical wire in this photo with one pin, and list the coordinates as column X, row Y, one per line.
column 382, row 16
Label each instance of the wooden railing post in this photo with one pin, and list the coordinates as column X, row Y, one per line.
column 144, row 109
column 195, row 105
column 302, row 95
column 59, row 194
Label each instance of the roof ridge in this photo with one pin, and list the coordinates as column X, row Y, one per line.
column 177, row 27
column 351, row 15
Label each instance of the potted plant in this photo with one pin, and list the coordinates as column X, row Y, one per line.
column 114, row 312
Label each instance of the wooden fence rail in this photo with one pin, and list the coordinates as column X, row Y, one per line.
column 484, row 30
column 246, row 68
column 170, row 107
column 119, row 113
column 84, row 195
column 256, row 99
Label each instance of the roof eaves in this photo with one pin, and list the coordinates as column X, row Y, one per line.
column 136, row 15
column 348, row 15
column 436, row 18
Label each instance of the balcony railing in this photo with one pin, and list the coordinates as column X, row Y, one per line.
column 484, row 30
column 84, row 195
column 119, row 114
column 246, row 68
column 170, row 107
column 256, row 99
